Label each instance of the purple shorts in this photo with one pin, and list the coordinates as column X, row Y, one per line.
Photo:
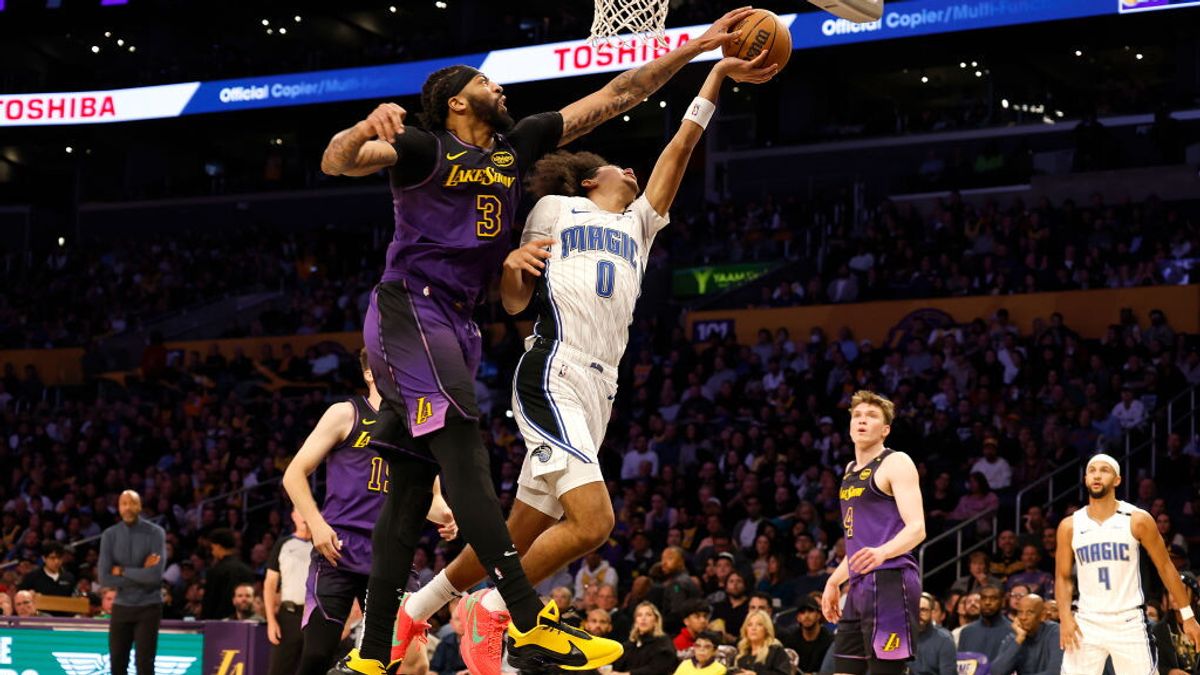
column 331, row 591
column 424, row 351
column 879, row 621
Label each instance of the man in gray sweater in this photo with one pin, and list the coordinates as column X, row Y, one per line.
column 132, row 558
column 935, row 647
column 985, row 635
column 1032, row 648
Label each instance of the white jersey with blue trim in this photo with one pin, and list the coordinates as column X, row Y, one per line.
column 1107, row 558
column 588, row 291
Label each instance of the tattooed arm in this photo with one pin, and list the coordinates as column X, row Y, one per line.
column 632, row 86
column 352, row 152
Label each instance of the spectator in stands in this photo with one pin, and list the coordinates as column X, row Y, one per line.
column 50, row 578
column 108, row 597
column 704, row 657
column 967, row 612
column 695, row 622
column 809, row 638
column 1016, row 593
column 598, row 623
column 648, row 651
column 1032, row 648
column 226, row 574
column 677, row 589
column 1008, row 556
column 26, row 604
column 1176, row 654
column 814, row 577
column 1129, row 412
column 594, row 573
column 731, row 611
column 6, row 604
column 985, row 635
column 131, row 560
column 977, row 575
column 1031, row 575
column 992, row 466
column 446, row 659
column 935, row 654
column 243, row 604
column 1169, row 535
column 759, row 653
column 979, row 500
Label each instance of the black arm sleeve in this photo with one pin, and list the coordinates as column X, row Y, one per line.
column 273, row 559
column 534, row 137
column 416, row 157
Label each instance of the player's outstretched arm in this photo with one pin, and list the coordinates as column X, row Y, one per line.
column 352, row 152
column 1064, row 585
column 333, row 428
column 1147, row 534
column 633, row 86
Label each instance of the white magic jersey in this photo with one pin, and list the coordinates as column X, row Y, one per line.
column 1106, row 562
column 588, row 290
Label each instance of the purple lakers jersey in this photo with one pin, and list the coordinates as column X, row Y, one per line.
column 356, row 477
column 455, row 225
column 870, row 517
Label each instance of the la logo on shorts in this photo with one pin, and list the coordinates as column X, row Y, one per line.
column 892, row 644
column 424, row 410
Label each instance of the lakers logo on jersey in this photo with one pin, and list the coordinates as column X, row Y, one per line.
column 850, row 492
column 364, row 438
column 865, row 474
column 424, row 411
column 892, row 644
column 503, row 159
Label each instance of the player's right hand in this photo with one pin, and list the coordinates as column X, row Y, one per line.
column 831, row 603
column 720, row 32
column 1068, row 633
column 386, row 122
column 749, row 72
column 151, row 560
column 274, row 634
column 530, row 258
column 326, row 541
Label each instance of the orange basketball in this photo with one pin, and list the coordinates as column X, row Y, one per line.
column 762, row 30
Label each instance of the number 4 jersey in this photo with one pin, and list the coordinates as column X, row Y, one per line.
column 587, row 292
column 870, row 517
column 1107, row 559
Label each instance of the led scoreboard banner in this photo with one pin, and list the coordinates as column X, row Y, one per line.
column 543, row 62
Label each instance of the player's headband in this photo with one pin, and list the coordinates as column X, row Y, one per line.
column 461, row 78
column 1107, row 459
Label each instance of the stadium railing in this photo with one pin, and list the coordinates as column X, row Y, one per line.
column 958, row 532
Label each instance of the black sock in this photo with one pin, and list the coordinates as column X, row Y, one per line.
column 321, row 639
column 467, row 483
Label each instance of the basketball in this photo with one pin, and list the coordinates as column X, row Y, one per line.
column 762, row 30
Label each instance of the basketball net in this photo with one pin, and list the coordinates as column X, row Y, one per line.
column 645, row 19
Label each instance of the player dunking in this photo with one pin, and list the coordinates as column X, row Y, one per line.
column 1103, row 541
column 883, row 520
column 356, row 482
column 585, row 248
column 456, row 190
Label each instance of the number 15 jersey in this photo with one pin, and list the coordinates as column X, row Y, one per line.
column 1107, row 559
column 590, row 285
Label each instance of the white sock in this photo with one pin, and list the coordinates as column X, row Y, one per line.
column 422, row 604
column 494, row 602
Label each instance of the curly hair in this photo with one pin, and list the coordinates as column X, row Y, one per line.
column 563, row 173
column 435, row 94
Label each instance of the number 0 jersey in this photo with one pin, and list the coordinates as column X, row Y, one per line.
column 1107, row 559
column 587, row 292
column 870, row 517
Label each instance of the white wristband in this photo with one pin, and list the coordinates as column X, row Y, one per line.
column 1186, row 613
column 700, row 111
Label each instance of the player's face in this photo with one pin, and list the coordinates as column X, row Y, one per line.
column 1100, row 480
column 610, row 179
column 487, row 102
column 867, row 426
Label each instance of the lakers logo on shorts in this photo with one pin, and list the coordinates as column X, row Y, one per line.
column 424, row 410
column 892, row 644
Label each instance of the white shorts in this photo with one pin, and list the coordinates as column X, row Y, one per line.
column 1124, row 636
column 562, row 400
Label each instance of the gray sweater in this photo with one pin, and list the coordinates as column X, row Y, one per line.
column 935, row 653
column 128, row 546
column 1038, row 655
column 985, row 636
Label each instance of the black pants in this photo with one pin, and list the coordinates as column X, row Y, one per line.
column 285, row 656
column 134, row 626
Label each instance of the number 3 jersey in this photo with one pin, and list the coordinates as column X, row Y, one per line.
column 1107, row 562
column 590, row 285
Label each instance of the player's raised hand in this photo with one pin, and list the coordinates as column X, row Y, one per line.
column 1192, row 630
column 831, row 603
column 385, row 122
column 720, row 32
column 530, row 258
column 750, row 72
column 326, row 541
column 865, row 560
column 1068, row 632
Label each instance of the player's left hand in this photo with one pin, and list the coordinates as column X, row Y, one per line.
column 448, row 531
column 866, row 560
column 720, row 32
column 751, row 72
column 1192, row 630
column 530, row 258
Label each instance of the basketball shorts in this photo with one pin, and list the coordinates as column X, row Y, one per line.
column 1123, row 636
column 562, row 400
column 423, row 350
column 331, row 591
column 879, row 623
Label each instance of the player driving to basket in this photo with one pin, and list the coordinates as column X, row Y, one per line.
column 584, row 251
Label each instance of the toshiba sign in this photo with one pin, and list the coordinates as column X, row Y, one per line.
column 91, row 107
